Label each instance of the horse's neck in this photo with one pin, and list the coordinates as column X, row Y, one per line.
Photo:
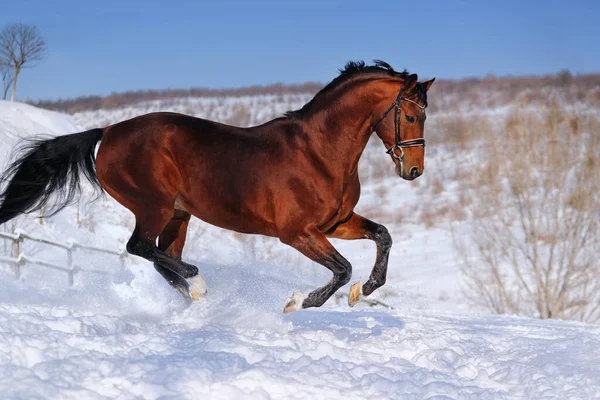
column 346, row 128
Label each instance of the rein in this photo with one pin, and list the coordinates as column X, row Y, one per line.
column 399, row 143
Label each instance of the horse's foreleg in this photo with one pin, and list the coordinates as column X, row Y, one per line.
column 314, row 245
column 358, row 227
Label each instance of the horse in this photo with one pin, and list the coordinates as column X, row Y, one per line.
column 294, row 178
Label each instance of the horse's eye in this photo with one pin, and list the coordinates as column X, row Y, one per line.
column 410, row 119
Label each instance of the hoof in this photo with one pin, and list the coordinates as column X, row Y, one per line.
column 294, row 303
column 355, row 294
column 197, row 287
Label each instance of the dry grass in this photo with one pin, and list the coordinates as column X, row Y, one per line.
column 535, row 225
column 437, row 186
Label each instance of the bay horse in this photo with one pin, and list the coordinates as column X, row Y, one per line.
column 294, row 178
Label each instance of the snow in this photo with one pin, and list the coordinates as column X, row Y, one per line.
column 236, row 342
column 21, row 120
column 122, row 332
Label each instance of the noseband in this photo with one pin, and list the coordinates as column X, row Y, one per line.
column 400, row 144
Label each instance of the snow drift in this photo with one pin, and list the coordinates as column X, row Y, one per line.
column 124, row 333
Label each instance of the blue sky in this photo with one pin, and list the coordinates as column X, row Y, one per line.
column 98, row 47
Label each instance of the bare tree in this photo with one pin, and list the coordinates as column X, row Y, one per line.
column 20, row 46
column 533, row 246
column 7, row 77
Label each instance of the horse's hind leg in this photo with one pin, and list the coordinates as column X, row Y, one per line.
column 172, row 240
column 172, row 237
column 313, row 244
column 143, row 243
column 147, row 184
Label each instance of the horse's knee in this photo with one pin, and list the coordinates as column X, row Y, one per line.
column 382, row 237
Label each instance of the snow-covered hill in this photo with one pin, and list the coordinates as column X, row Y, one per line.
column 124, row 333
column 19, row 120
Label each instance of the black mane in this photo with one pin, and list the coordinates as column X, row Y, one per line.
column 359, row 67
column 351, row 70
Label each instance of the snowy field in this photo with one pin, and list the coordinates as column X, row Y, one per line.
column 123, row 333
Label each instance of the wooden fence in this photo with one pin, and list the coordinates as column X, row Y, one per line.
column 18, row 259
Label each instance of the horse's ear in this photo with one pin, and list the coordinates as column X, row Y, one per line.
column 411, row 79
column 427, row 84
column 410, row 82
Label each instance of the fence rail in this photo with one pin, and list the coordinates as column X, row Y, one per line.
column 19, row 259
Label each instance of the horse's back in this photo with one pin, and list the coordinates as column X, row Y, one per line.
column 207, row 167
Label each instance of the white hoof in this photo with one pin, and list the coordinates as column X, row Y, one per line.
column 294, row 303
column 197, row 287
column 355, row 294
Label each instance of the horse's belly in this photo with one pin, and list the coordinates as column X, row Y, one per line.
column 215, row 211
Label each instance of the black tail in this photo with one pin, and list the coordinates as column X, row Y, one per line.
column 49, row 166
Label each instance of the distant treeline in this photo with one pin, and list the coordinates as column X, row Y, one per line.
column 115, row 100
column 446, row 94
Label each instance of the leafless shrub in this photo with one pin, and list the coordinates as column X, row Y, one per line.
column 240, row 116
column 533, row 246
column 437, row 186
column 382, row 191
column 429, row 217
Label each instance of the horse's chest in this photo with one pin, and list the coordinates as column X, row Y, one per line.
column 344, row 205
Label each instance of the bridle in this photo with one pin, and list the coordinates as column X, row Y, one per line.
column 399, row 143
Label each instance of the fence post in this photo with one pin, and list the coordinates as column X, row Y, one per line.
column 17, row 267
column 71, row 274
column 70, row 257
column 15, row 247
column 15, row 253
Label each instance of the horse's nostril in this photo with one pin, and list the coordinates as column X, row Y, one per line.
column 414, row 172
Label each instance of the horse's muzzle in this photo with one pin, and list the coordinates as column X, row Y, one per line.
column 408, row 175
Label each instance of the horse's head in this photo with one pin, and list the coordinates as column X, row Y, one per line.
column 400, row 124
